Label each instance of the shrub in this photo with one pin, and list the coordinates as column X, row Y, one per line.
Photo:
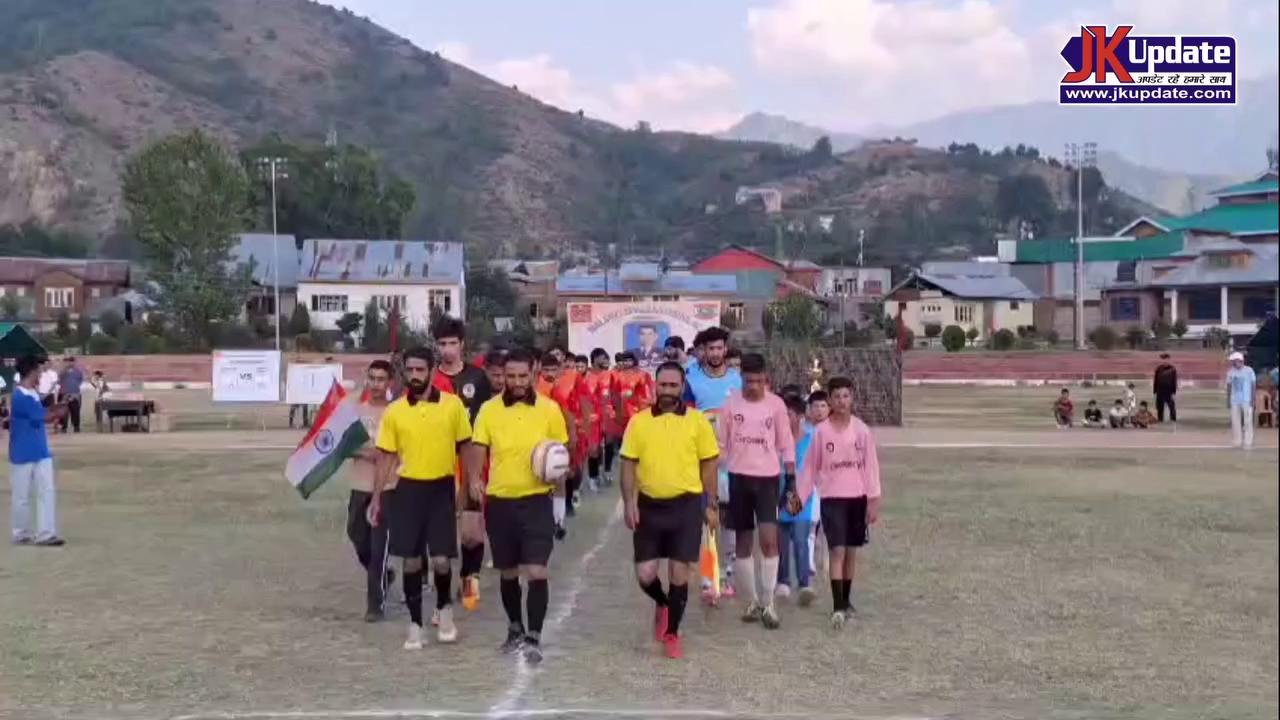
column 972, row 335
column 1135, row 336
column 1003, row 339
column 1217, row 338
column 84, row 329
column 235, row 335
column 132, row 340
column 953, row 338
column 322, row 340
column 1028, row 343
column 103, row 344
column 300, row 322
column 1104, row 337
column 932, row 330
column 1052, row 337
column 1179, row 328
column 154, row 345
column 110, row 322
column 62, row 325
column 1161, row 329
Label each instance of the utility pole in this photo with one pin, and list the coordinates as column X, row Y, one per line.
column 273, row 169
column 1080, row 156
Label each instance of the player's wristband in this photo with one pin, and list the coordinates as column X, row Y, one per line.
column 789, row 483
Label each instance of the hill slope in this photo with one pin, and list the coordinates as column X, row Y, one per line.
column 86, row 83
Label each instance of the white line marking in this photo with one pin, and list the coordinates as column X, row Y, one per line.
column 524, row 675
column 539, row 713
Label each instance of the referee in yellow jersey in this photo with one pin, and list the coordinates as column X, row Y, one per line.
column 521, row 513
column 420, row 436
column 669, row 456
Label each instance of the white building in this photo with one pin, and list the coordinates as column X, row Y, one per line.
column 865, row 282
column 337, row 277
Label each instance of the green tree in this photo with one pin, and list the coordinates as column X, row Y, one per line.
column 300, row 321
column 1135, row 335
column 1179, row 328
column 349, row 324
column 10, row 307
column 932, row 330
column 186, row 199
column 953, row 338
column 821, row 150
column 1003, row 339
column 1104, row 337
column 1026, row 198
column 796, row 317
column 111, row 322
column 972, row 335
column 490, row 294
column 62, row 325
column 374, row 331
column 327, row 192
column 84, row 329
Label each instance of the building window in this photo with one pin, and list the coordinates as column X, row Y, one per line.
column 932, row 308
column 329, row 303
column 59, row 298
column 666, row 298
column 1014, row 304
column 386, row 302
column 1127, row 271
column 95, row 292
column 1258, row 307
column 533, row 310
column 1126, row 308
column 737, row 312
column 871, row 287
column 441, row 300
column 22, row 292
column 964, row 313
column 1204, row 307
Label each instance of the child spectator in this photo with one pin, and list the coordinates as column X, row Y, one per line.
column 1144, row 418
column 1093, row 415
column 1130, row 400
column 1119, row 415
column 794, row 530
column 1063, row 409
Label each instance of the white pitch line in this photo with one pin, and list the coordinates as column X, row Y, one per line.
column 531, row 714
column 520, row 685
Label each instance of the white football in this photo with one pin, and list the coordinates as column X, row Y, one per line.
column 550, row 461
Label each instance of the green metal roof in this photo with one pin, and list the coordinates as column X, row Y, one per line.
column 1253, row 187
column 1051, row 250
column 1251, row 219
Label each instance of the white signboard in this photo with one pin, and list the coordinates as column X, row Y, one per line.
column 307, row 384
column 638, row 327
column 246, row 376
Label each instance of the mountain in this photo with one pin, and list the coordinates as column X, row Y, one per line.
column 1228, row 140
column 763, row 127
column 85, row 84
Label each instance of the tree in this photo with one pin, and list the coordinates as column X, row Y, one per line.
column 300, row 321
column 62, row 325
column 490, row 294
column 10, row 307
column 111, row 322
column 972, row 335
column 329, row 192
column 1104, row 338
column 373, row 328
column 349, row 325
column 1161, row 329
column 795, row 317
column 1003, row 339
column 932, row 330
column 1135, row 335
column 953, row 338
column 821, row 150
column 1179, row 328
column 186, row 199
column 84, row 329
column 1026, row 198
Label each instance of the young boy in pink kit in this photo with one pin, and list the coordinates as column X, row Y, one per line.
column 756, row 446
column 842, row 466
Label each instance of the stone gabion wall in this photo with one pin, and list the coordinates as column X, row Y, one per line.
column 876, row 375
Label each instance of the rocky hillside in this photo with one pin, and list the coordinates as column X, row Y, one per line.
column 86, row 83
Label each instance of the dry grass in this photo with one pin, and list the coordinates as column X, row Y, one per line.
column 1002, row 583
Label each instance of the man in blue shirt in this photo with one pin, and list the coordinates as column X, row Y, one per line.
column 30, row 463
column 1241, row 383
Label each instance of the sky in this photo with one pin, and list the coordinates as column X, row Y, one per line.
column 845, row 65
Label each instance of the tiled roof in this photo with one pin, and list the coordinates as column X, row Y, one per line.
column 996, row 287
column 25, row 270
column 1253, row 187
column 255, row 250
column 382, row 261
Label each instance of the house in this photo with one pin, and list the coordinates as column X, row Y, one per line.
column 1222, row 284
column 858, row 282
column 263, row 254
column 534, row 282
column 38, row 290
column 986, row 298
column 637, row 281
column 417, row 278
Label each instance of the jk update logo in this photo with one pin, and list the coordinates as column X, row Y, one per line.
column 1123, row 68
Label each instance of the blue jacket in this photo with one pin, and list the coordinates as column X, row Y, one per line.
column 28, row 441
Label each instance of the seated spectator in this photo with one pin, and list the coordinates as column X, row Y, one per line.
column 1119, row 416
column 1093, row 415
column 1144, row 418
column 1063, row 409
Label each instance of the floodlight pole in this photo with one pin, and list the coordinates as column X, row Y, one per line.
column 1081, row 155
column 277, row 167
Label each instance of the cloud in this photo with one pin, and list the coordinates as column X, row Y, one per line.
column 680, row 96
column 897, row 61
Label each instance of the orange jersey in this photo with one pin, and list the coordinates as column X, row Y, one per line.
column 570, row 392
column 600, row 387
column 633, row 390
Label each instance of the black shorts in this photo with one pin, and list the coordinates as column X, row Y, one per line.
column 752, row 500
column 521, row 530
column 669, row 529
column 844, row 521
column 423, row 518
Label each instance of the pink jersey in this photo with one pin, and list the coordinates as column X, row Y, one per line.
column 841, row 463
column 753, row 435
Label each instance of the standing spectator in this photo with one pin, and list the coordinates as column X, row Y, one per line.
column 1131, row 399
column 1164, row 386
column 70, row 381
column 30, row 463
column 1241, row 383
column 101, row 390
column 47, row 385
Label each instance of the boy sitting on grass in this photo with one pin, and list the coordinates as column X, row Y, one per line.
column 1144, row 418
column 1063, row 409
column 1119, row 415
column 1093, row 415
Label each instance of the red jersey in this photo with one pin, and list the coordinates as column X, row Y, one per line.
column 570, row 392
column 634, row 391
column 600, row 386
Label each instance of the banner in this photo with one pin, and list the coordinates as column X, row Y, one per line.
column 639, row 327
column 246, row 376
column 308, row 383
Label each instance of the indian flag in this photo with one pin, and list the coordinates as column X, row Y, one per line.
column 336, row 435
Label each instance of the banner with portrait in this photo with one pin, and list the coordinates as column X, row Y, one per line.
column 639, row 327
